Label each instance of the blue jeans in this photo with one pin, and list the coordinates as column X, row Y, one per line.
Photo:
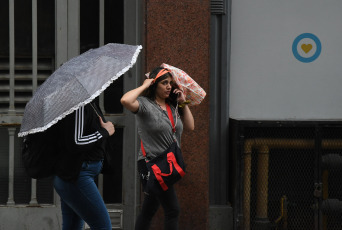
column 81, row 200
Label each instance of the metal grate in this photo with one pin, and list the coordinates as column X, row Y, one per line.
column 23, row 80
column 331, row 181
column 290, row 177
column 217, row 7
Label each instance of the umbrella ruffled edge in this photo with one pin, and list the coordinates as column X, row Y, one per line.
column 97, row 93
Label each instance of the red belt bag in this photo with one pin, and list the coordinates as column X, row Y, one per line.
column 167, row 168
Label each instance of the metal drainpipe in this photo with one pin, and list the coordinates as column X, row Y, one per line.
column 259, row 144
column 247, row 184
column 261, row 218
column 325, row 182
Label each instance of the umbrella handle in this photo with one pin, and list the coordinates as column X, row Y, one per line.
column 95, row 110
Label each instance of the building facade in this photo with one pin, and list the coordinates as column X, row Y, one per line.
column 38, row 36
column 266, row 150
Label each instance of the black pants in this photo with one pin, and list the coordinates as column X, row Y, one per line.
column 167, row 199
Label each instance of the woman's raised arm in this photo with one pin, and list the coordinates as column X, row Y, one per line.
column 129, row 99
column 188, row 119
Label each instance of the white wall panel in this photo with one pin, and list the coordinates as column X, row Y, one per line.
column 267, row 81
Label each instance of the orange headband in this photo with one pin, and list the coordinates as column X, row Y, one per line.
column 161, row 73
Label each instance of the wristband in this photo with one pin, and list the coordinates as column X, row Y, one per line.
column 184, row 104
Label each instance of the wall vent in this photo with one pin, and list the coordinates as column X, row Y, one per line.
column 217, row 7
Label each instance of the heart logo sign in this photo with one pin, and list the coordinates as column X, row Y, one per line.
column 306, row 47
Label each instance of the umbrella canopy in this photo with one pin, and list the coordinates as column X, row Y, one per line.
column 76, row 83
column 193, row 92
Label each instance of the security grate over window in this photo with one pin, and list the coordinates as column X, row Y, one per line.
column 4, row 84
column 22, row 188
column 23, row 83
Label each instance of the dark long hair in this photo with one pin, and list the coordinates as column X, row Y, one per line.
column 150, row 92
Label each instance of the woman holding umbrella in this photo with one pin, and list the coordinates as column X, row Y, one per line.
column 82, row 138
column 149, row 102
column 62, row 106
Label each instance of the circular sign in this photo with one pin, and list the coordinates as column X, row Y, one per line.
column 306, row 47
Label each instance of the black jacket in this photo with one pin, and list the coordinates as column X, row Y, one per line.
column 81, row 138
